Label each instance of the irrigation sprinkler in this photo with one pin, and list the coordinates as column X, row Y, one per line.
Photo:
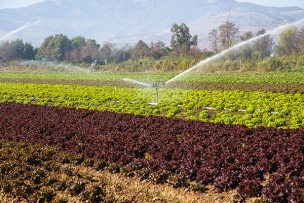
column 156, row 86
column 201, row 64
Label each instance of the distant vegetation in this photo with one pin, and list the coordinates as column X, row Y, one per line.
column 262, row 55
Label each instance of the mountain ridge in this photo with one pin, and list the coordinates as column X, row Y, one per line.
column 127, row 21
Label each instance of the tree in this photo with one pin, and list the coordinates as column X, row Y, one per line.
column 288, row 42
column 196, row 52
column 78, row 42
column 121, row 56
column 159, row 50
column 182, row 40
column 263, row 47
column 301, row 40
column 90, row 52
column 75, row 52
column 214, row 40
column 246, row 36
column 6, row 51
column 106, row 52
column 28, row 51
column 54, row 47
column 229, row 34
column 16, row 50
column 77, row 49
column 261, row 32
column 140, row 50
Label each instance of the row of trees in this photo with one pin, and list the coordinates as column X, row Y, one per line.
column 16, row 50
column 228, row 34
column 290, row 41
column 61, row 48
column 78, row 49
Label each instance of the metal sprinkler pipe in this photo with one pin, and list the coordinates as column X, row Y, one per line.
column 154, row 85
column 157, row 86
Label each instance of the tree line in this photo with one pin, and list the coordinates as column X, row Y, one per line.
column 81, row 50
column 16, row 50
column 290, row 41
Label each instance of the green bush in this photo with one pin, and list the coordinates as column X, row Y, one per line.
column 147, row 64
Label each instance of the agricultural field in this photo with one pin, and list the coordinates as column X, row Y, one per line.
column 187, row 154
column 250, row 108
column 36, row 173
column 75, row 137
column 149, row 101
column 217, row 77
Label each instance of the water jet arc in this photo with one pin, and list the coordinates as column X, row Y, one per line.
column 156, row 86
column 136, row 82
column 235, row 47
column 25, row 26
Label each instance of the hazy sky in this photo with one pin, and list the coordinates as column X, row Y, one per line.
column 17, row 3
column 21, row 3
column 277, row 2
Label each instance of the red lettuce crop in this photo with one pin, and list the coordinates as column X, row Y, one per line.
column 227, row 156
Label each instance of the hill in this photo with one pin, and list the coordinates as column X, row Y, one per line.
column 127, row 21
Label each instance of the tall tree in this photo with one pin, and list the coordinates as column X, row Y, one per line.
column 75, row 52
column 229, row 34
column 54, row 47
column 6, row 51
column 140, row 50
column 16, row 50
column 301, row 40
column 159, row 49
column 106, row 52
column 121, row 55
column 90, row 52
column 78, row 42
column 263, row 47
column 246, row 36
column 214, row 40
column 28, row 51
column 288, row 42
column 182, row 40
column 261, row 32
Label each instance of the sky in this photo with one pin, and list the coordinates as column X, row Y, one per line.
column 17, row 3
column 22, row 3
column 299, row 3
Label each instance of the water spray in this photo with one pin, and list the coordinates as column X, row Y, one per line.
column 137, row 82
column 210, row 59
column 156, row 86
column 13, row 32
column 235, row 47
column 57, row 66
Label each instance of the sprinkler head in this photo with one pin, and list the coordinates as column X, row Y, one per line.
column 154, row 85
column 157, row 85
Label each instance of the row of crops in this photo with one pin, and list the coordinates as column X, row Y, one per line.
column 76, row 113
column 35, row 173
column 260, row 78
column 250, row 108
column 261, row 162
column 281, row 87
